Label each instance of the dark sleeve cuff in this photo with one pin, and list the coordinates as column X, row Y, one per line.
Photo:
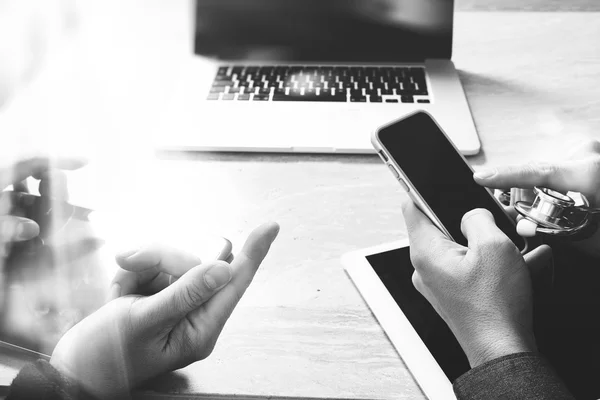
column 40, row 381
column 516, row 376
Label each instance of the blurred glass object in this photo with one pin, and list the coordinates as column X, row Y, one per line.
column 325, row 30
column 53, row 281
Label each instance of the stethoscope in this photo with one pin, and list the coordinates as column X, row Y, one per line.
column 553, row 213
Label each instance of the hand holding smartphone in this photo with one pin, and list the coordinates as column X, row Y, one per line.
column 436, row 176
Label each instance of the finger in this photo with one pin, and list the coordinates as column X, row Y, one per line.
column 478, row 226
column 588, row 147
column 158, row 257
column 417, row 281
column 253, row 252
column 539, row 260
column 54, row 184
column 146, row 282
column 16, row 229
column 246, row 263
column 21, row 186
column 123, row 283
column 35, row 166
column 421, row 230
column 187, row 294
column 560, row 177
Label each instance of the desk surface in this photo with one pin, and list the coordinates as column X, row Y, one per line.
column 302, row 329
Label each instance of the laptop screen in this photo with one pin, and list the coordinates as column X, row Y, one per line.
column 324, row 30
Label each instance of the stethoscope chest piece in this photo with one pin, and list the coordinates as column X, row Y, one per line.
column 553, row 213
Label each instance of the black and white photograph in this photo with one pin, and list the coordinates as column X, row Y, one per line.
column 300, row 199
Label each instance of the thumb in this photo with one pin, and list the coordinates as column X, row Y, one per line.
column 189, row 292
column 478, row 226
column 16, row 229
column 539, row 260
column 561, row 177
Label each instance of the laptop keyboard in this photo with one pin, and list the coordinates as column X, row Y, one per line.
column 320, row 84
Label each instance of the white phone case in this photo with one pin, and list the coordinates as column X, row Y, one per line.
column 405, row 181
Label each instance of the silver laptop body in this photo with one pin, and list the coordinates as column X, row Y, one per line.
column 314, row 76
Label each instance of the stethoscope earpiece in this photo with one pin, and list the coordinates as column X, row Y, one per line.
column 526, row 228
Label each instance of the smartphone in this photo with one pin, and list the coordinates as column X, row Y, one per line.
column 436, row 176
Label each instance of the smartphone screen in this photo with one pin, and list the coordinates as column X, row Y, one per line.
column 440, row 175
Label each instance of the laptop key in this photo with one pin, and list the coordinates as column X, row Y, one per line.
column 282, row 97
column 417, row 72
column 310, row 98
column 302, row 83
column 213, row 96
column 410, row 88
column 335, row 97
column 400, row 71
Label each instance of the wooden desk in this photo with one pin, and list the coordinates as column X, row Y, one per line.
column 302, row 330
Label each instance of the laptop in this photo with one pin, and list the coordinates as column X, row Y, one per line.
column 314, row 76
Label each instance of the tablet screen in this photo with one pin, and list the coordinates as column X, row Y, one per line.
column 395, row 271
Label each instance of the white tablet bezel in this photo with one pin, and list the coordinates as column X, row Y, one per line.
column 421, row 363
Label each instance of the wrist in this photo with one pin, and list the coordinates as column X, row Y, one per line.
column 94, row 383
column 488, row 347
column 64, row 371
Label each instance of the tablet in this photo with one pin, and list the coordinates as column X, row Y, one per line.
column 383, row 276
